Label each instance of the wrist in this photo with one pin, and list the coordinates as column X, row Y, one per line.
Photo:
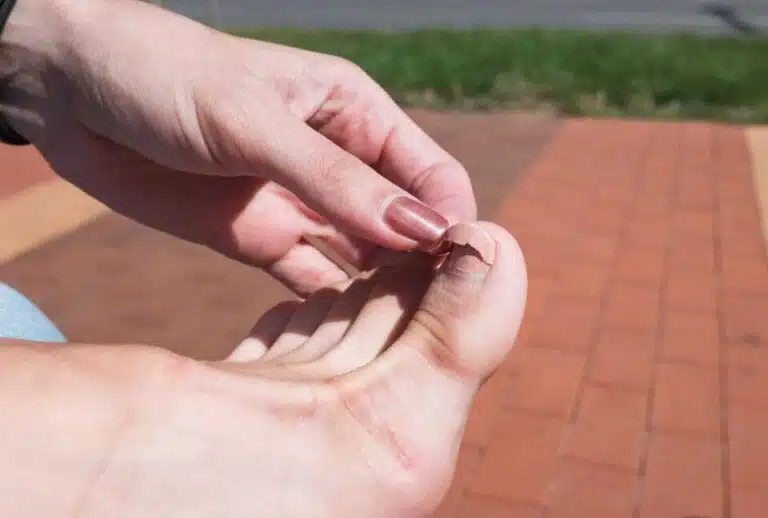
column 34, row 44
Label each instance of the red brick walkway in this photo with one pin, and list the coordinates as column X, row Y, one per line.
column 639, row 387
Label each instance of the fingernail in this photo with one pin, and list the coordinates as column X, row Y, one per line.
column 415, row 221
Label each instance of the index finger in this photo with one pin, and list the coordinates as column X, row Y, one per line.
column 413, row 160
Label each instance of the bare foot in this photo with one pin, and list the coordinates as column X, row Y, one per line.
column 351, row 404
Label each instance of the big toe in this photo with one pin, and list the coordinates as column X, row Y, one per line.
column 417, row 397
column 470, row 316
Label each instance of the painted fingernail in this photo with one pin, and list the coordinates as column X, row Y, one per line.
column 415, row 221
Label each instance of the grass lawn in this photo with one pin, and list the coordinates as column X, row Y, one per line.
column 572, row 72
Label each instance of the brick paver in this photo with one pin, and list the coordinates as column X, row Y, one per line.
column 646, row 349
column 639, row 384
column 21, row 168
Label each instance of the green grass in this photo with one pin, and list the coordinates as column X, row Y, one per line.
column 584, row 73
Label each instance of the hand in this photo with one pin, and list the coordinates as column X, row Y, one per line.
column 356, row 409
column 243, row 146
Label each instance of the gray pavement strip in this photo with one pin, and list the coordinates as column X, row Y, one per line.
column 650, row 15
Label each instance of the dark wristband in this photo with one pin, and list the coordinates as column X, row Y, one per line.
column 8, row 135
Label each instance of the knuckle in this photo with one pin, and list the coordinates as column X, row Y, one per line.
column 351, row 78
column 438, row 341
column 432, row 329
column 347, row 67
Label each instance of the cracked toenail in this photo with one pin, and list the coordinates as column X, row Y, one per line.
column 467, row 234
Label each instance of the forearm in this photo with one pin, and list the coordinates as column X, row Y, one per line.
column 65, row 409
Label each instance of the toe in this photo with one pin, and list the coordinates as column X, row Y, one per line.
column 266, row 331
column 470, row 316
column 417, row 397
column 304, row 321
column 335, row 323
column 395, row 296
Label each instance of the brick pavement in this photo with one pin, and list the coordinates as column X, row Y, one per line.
column 639, row 386
column 22, row 168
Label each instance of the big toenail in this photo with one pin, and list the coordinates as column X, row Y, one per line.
column 469, row 235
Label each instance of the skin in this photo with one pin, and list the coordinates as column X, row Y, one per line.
column 350, row 402
column 246, row 147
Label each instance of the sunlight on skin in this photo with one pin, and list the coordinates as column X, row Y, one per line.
column 361, row 414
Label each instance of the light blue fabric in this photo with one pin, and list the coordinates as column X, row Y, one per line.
column 21, row 319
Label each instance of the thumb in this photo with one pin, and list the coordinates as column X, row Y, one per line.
column 350, row 194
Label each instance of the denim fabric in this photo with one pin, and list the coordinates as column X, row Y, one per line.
column 21, row 319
